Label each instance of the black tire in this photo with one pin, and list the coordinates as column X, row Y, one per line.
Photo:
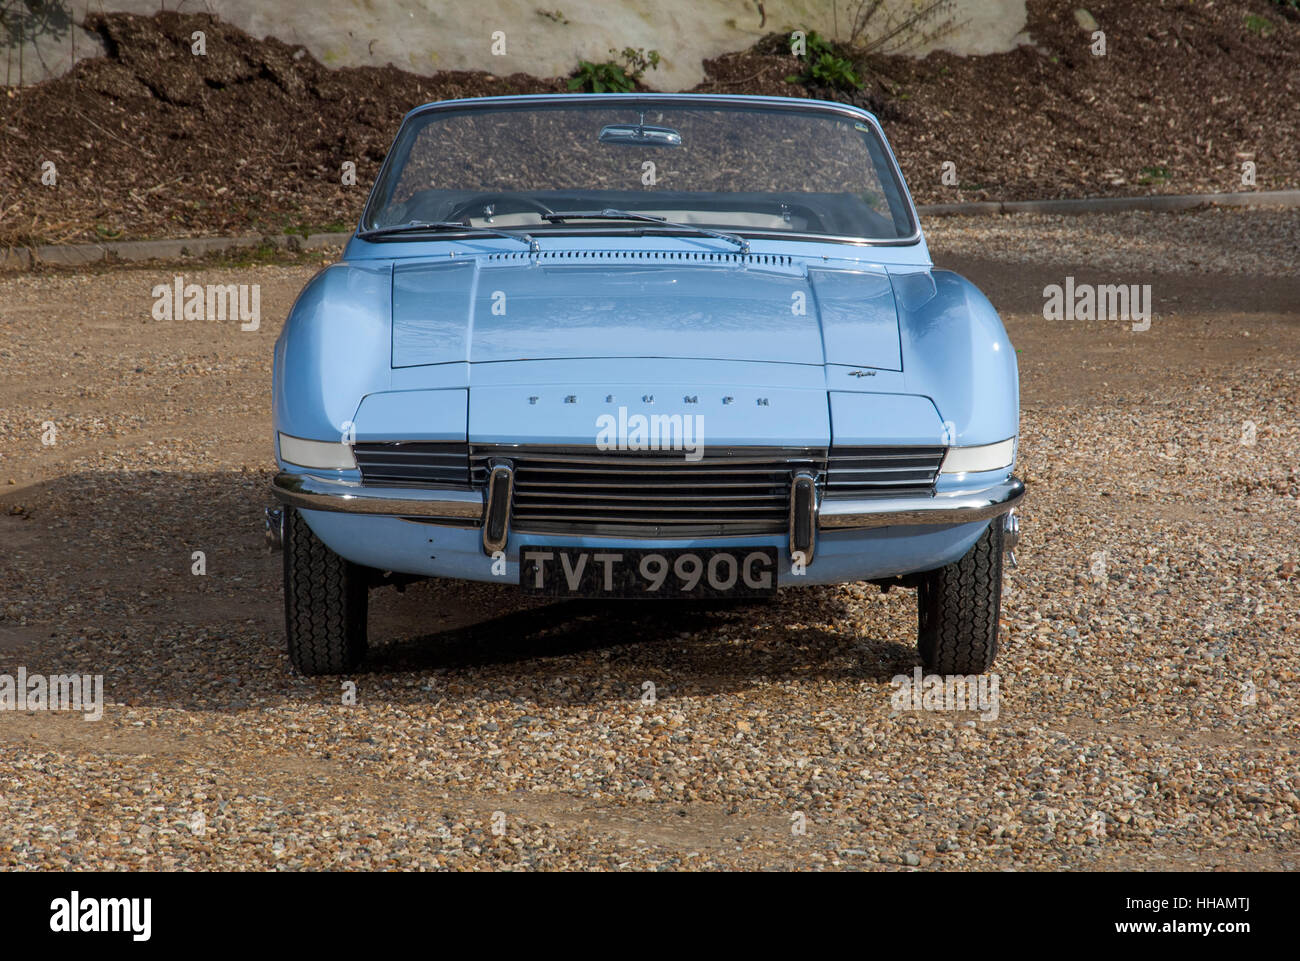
column 958, row 607
column 325, row 601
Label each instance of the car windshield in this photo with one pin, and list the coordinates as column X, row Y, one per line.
column 749, row 169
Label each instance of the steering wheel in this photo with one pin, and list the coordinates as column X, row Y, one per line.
column 483, row 200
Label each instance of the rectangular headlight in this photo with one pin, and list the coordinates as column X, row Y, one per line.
column 972, row 460
column 318, row 454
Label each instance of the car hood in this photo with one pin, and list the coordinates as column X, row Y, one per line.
column 696, row 306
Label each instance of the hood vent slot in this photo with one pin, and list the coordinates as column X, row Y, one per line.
column 641, row 256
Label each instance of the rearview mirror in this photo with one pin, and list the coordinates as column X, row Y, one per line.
column 640, row 135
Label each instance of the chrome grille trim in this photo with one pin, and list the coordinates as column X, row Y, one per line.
column 882, row 471
column 649, row 494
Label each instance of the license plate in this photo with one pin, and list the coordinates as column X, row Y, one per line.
column 696, row 572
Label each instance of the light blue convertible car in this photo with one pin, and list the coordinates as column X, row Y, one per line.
column 643, row 346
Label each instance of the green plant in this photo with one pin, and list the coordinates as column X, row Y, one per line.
column 1259, row 25
column 824, row 67
column 611, row 77
column 1154, row 175
column 607, row 77
column 638, row 61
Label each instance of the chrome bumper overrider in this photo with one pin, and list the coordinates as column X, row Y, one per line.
column 467, row 508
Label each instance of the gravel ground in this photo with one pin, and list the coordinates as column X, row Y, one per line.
column 1148, row 679
column 1221, row 240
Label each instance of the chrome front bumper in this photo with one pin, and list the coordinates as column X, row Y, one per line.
column 469, row 508
column 314, row 493
column 956, row 508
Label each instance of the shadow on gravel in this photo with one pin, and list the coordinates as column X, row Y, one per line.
column 101, row 577
column 695, row 647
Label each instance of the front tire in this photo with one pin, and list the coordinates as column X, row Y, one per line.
column 325, row 600
column 958, row 608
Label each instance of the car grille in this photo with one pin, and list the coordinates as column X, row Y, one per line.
column 650, row 494
column 882, row 471
column 413, row 464
column 653, row 494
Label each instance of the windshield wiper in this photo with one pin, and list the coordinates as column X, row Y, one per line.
column 609, row 214
column 418, row 226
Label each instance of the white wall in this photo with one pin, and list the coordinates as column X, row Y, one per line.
column 423, row 36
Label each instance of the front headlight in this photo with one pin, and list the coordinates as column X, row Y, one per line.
column 317, row 454
column 972, row 460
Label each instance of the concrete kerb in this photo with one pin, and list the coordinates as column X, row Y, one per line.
column 74, row 255
column 1104, row 205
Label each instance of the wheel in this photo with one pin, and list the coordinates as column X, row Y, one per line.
column 958, row 606
column 324, row 603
